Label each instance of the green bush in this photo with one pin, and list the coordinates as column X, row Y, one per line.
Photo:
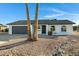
column 6, row 30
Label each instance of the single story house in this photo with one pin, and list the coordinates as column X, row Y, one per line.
column 57, row 27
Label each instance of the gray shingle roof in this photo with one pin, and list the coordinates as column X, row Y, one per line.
column 23, row 22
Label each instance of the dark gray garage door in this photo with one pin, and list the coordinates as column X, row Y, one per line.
column 19, row 29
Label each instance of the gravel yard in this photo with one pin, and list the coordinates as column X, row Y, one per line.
column 41, row 47
column 45, row 46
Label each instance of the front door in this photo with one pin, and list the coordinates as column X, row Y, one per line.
column 43, row 29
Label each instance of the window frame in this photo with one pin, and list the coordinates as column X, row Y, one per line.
column 63, row 28
column 52, row 28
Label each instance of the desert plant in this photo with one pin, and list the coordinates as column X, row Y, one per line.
column 28, row 24
column 35, row 34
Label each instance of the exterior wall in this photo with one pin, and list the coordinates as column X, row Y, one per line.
column 59, row 32
column 70, row 29
column 10, row 29
column 32, row 29
column 40, row 30
column 47, row 29
column 56, row 32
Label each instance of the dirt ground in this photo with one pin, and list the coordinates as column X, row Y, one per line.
column 45, row 46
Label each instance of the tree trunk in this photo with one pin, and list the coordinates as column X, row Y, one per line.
column 28, row 24
column 35, row 35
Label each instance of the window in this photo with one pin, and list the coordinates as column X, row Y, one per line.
column 63, row 28
column 53, row 28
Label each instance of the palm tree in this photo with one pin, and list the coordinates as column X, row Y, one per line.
column 35, row 34
column 28, row 23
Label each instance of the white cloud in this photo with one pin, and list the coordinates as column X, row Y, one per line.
column 74, row 14
column 60, row 14
column 53, row 10
column 58, row 11
column 54, row 15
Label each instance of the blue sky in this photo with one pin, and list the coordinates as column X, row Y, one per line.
column 17, row 11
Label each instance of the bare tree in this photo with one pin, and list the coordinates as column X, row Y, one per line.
column 28, row 23
column 35, row 34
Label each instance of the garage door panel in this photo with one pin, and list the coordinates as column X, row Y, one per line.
column 19, row 29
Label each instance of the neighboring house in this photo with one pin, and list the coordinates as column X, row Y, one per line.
column 2, row 28
column 57, row 27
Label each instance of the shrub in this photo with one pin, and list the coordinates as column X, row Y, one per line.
column 6, row 30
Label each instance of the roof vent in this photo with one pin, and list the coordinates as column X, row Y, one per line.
column 53, row 19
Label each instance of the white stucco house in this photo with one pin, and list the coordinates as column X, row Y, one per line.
column 57, row 27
